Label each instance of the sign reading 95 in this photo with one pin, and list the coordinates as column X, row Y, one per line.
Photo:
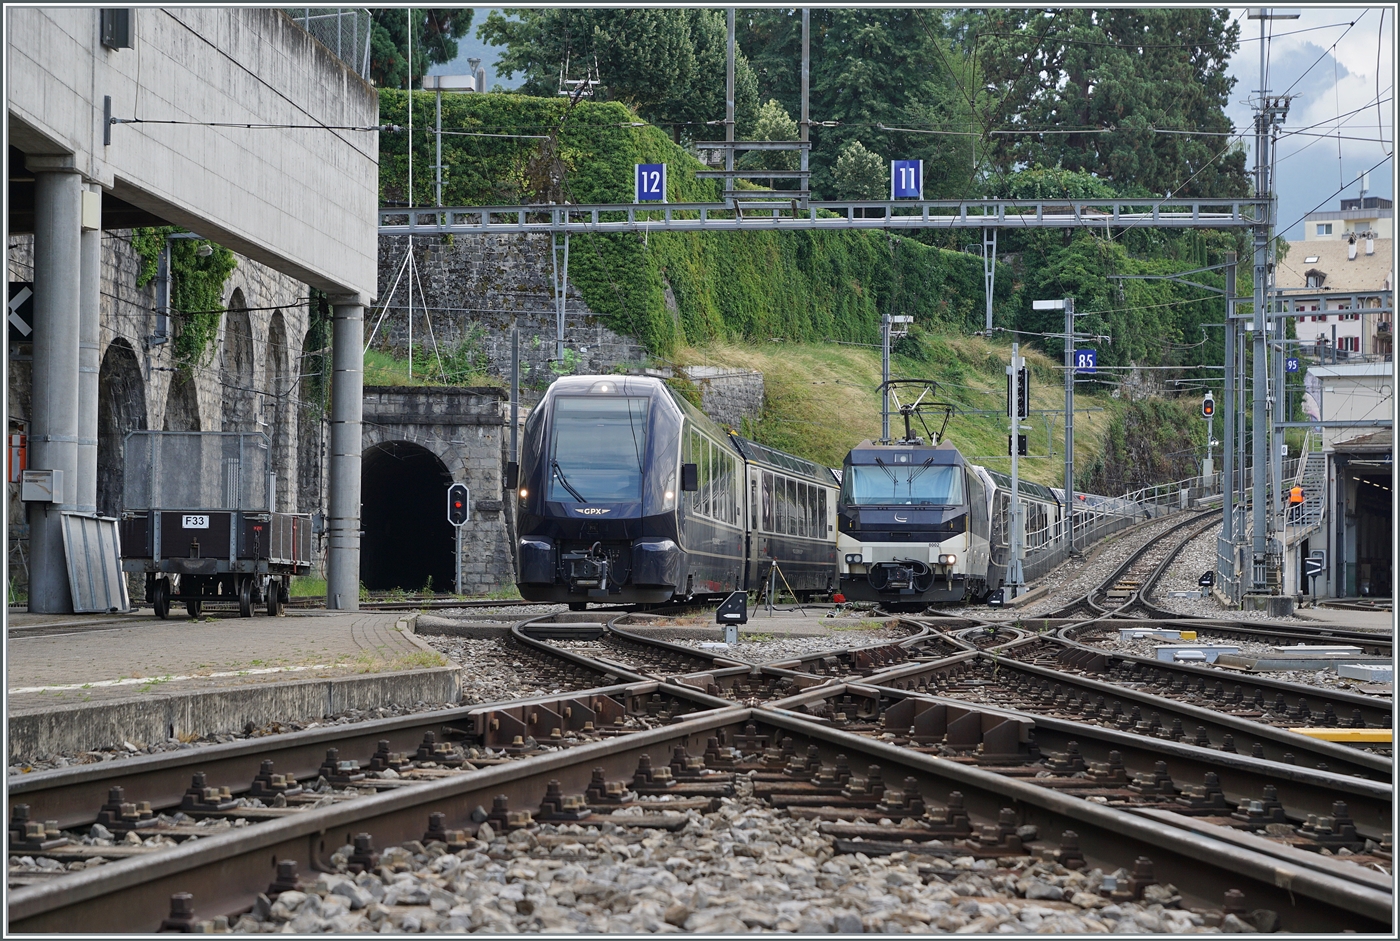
column 650, row 183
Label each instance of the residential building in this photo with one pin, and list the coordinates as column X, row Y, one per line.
column 1349, row 315
column 1356, row 216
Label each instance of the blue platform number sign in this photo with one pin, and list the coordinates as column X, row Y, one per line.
column 651, row 183
column 1086, row 360
column 1291, row 364
column 906, row 179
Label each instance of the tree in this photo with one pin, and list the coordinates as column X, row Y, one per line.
column 860, row 174
column 872, row 71
column 667, row 64
column 434, row 41
column 1115, row 78
column 774, row 123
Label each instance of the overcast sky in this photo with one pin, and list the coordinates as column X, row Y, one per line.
column 1330, row 67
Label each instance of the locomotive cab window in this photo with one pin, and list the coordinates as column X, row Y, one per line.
column 902, row 485
column 597, row 449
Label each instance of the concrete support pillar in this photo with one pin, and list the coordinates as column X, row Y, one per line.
column 53, row 438
column 89, row 353
column 347, row 410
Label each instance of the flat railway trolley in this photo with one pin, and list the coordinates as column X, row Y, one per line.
column 198, row 520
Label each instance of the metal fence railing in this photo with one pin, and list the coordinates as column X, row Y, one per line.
column 343, row 30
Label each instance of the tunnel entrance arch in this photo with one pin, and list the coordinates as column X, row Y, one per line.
column 407, row 539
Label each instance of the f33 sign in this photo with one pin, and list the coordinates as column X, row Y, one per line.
column 650, row 183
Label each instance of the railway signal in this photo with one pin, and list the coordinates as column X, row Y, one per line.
column 1022, row 394
column 458, row 508
column 1208, row 406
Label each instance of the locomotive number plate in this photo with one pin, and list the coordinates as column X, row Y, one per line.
column 196, row 522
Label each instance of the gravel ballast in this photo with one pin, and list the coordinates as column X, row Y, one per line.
column 743, row 868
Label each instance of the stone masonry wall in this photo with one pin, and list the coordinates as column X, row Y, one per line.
column 471, row 289
column 136, row 379
column 728, row 395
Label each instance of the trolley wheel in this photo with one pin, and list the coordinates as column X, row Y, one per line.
column 194, row 607
column 245, row 597
column 160, row 598
column 274, row 599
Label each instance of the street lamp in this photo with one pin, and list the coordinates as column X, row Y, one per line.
column 1067, row 305
column 456, row 83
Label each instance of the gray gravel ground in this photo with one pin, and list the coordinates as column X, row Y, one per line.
column 494, row 669
column 1325, row 679
column 775, row 648
column 744, row 868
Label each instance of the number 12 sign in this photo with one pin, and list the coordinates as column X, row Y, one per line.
column 651, row 183
column 906, row 179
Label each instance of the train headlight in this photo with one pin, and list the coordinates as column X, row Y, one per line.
column 854, row 558
column 524, row 493
column 949, row 559
column 670, row 495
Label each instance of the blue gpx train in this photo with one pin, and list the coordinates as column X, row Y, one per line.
column 628, row 494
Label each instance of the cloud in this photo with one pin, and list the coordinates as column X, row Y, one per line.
column 1333, row 72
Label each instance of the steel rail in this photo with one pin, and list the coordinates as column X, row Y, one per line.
column 1375, row 712
column 1199, row 867
column 73, row 795
column 1302, row 791
column 1275, row 742
column 226, row 872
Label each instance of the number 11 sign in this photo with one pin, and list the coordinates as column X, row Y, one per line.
column 651, row 183
column 906, row 179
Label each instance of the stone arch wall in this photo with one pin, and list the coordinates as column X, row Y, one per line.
column 182, row 404
column 277, row 410
column 121, row 408
column 237, row 367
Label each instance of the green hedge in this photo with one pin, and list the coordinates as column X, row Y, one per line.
column 807, row 286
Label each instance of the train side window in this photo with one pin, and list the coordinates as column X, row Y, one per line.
column 693, row 443
column 809, row 510
column 801, row 508
column 821, row 512
column 753, row 501
column 767, row 502
column 707, row 476
column 731, row 513
column 793, row 507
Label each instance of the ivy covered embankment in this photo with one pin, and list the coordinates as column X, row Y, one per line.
column 800, row 286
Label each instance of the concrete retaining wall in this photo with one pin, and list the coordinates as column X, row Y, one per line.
column 158, row 717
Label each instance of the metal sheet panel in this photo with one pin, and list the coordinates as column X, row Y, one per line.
column 93, row 547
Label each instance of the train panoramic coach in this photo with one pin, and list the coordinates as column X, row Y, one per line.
column 629, row 494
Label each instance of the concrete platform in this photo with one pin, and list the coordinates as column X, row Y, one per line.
column 75, row 684
column 1383, row 621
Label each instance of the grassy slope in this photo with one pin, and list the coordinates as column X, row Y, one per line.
column 820, row 399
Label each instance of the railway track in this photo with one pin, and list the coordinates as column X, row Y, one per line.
column 991, row 816
column 1253, row 696
column 666, row 729
column 993, row 679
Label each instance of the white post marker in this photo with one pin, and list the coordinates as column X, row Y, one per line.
column 649, row 183
column 906, row 179
column 1014, row 578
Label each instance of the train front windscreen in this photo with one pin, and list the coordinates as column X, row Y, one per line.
column 901, row 485
column 597, row 449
